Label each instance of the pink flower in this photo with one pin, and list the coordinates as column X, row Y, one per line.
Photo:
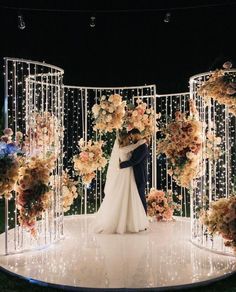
column 159, row 217
column 84, row 156
column 8, row 132
column 129, row 128
column 227, row 236
column 141, row 111
column 160, row 194
column 168, row 214
column 178, row 116
column 29, row 224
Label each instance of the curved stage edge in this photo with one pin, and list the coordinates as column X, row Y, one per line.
column 162, row 258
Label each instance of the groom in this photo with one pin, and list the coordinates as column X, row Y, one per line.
column 138, row 161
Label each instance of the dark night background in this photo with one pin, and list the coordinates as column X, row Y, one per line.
column 125, row 48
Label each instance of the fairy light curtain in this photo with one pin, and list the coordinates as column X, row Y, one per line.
column 79, row 124
column 168, row 105
column 33, row 90
column 219, row 173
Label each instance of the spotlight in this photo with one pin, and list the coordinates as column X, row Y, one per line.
column 21, row 22
column 92, row 21
column 167, row 17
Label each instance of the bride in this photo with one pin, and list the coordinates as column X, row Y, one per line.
column 121, row 210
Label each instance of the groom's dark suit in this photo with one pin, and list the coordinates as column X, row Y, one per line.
column 138, row 161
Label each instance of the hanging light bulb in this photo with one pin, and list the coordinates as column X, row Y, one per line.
column 167, row 17
column 92, row 21
column 21, row 22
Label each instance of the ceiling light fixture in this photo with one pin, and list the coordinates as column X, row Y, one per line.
column 167, row 17
column 21, row 22
column 92, row 21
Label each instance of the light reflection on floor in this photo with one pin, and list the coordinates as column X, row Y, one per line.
column 159, row 257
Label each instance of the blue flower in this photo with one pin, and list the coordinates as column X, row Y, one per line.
column 12, row 148
column 8, row 149
column 3, row 147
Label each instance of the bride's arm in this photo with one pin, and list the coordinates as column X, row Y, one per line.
column 132, row 147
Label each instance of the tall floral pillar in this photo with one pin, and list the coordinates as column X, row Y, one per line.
column 214, row 94
column 34, row 106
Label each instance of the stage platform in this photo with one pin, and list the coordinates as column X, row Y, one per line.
column 161, row 257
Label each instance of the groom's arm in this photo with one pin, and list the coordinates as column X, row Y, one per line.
column 132, row 147
column 138, row 155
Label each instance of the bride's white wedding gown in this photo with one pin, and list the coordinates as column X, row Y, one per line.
column 121, row 210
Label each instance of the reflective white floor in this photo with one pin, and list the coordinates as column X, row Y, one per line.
column 160, row 257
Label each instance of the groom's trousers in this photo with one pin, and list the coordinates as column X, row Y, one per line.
column 141, row 191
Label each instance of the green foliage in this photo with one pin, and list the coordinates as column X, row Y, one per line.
column 228, row 78
column 41, row 189
column 6, row 161
column 33, row 199
column 130, row 106
column 181, row 161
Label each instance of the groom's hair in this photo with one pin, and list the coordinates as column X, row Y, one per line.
column 134, row 131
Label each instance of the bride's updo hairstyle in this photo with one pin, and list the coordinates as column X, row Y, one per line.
column 123, row 139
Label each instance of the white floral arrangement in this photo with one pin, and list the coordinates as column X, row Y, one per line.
column 220, row 87
column 109, row 113
column 220, row 219
column 182, row 146
column 89, row 159
column 34, row 192
column 43, row 135
column 160, row 204
column 142, row 118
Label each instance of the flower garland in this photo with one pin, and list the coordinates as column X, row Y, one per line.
column 9, row 161
column 89, row 159
column 109, row 113
column 43, row 134
column 182, row 146
column 160, row 204
column 221, row 218
column 69, row 191
column 142, row 118
column 220, row 87
column 33, row 191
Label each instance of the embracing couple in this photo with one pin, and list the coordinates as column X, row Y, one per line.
column 124, row 206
